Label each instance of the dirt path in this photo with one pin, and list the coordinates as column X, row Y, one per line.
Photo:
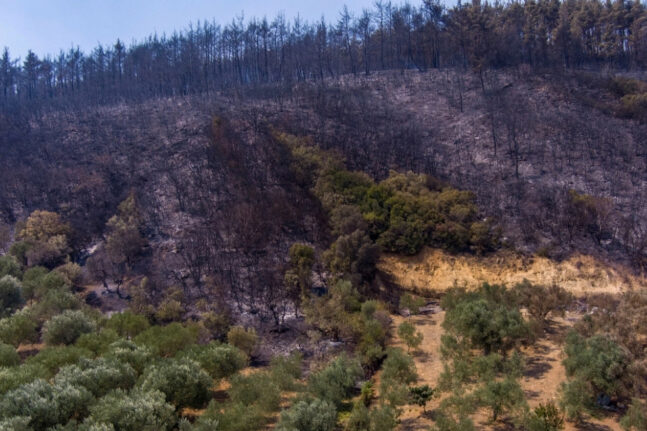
column 541, row 381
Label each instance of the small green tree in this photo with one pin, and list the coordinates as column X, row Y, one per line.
column 411, row 303
column 501, row 396
column 99, row 376
column 244, row 339
column 167, row 340
column 135, row 411
column 315, row 415
column 219, row 360
column 183, row 382
column 8, row 356
column 335, row 382
column 10, row 266
column 545, row 417
column 257, row 389
column 10, row 295
column 421, row 395
column 128, row 324
column 407, row 332
column 67, row 327
column 21, row 327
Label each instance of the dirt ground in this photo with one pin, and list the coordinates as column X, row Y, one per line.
column 542, row 378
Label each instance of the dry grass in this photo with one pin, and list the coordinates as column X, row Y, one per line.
column 435, row 270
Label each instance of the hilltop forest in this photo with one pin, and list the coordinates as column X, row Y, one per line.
column 249, row 226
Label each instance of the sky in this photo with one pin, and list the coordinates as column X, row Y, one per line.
column 47, row 26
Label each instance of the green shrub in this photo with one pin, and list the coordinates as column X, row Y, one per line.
column 545, row 417
column 97, row 342
column 128, row 324
column 407, row 333
column 134, row 411
column 335, row 382
column 10, row 295
column 8, row 356
column 316, row 415
column 99, row 376
column 182, row 381
column 398, row 372
column 501, row 396
column 138, row 357
column 598, row 361
column 46, row 405
column 10, row 266
column 53, row 358
column 19, row 328
column 67, row 327
column 166, row 341
column 219, row 360
column 256, row 389
column 54, row 302
column 11, row 378
column 244, row 339
column 286, row 370
column 17, row 423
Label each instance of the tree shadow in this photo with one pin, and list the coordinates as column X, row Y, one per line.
column 536, row 368
column 588, row 426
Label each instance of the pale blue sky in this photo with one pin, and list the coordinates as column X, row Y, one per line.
column 46, row 26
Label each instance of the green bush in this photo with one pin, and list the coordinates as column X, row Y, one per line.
column 182, row 381
column 219, row 360
column 10, row 266
column 488, row 324
column 138, row 357
column 286, row 370
column 17, row 423
column 128, row 324
column 11, row 378
column 166, row 341
column 53, row 358
column 335, row 382
column 398, row 372
column 501, row 396
column 67, row 327
column 19, row 328
column 244, row 339
column 636, row 416
column 316, row 415
column 407, row 333
column 545, row 417
column 97, row 342
column 134, row 411
column 54, row 302
column 233, row 417
column 8, row 356
column 257, row 389
column 46, row 405
column 10, row 295
column 99, row 376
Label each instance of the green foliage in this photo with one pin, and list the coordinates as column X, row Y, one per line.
column 421, row 395
column 12, row 378
column 127, row 324
column 286, row 370
column 67, row 327
column 8, row 356
column 183, row 382
column 134, row 411
column 501, row 396
column 10, row 295
column 53, row 303
column 46, row 405
column 353, row 255
column 217, row 359
column 9, row 265
column 359, row 419
column 99, row 376
column 124, row 240
column 334, row 313
column 315, row 415
column 545, row 417
column 16, row 423
column 576, row 399
column 398, row 372
column 46, row 237
column 407, row 332
column 598, row 361
column 53, row 358
column 335, row 382
column 18, row 328
column 258, row 389
column 138, row 357
column 384, row 418
column 636, row 417
column 97, row 342
column 244, row 339
column 166, row 341
column 486, row 322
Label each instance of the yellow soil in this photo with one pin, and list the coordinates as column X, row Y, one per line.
column 435, row 270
